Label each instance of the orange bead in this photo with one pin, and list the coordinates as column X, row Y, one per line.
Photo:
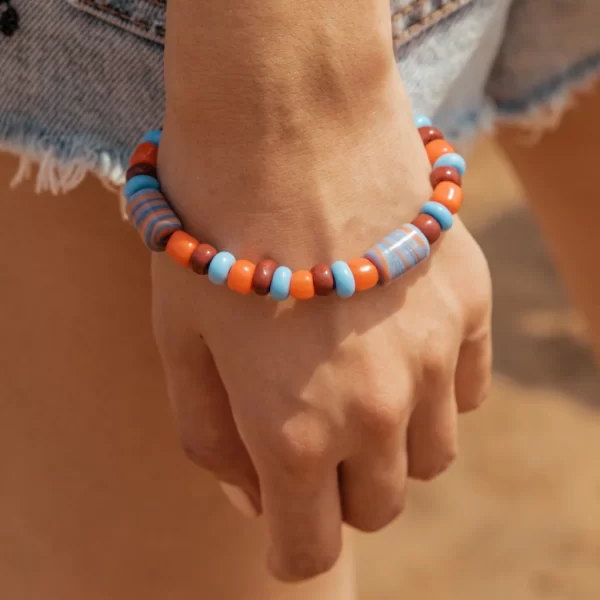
column 146, row 153
column 365, row 273
column 437, row 149
column 302, row 286
column 449, row 194
column 240, row 277
column 180, row 248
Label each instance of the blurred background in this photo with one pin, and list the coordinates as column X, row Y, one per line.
column 518, row 516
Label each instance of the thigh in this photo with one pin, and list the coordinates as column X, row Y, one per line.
column 559, row 175
column 97, row 501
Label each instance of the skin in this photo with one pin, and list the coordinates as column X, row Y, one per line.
column 320, row 411
column 562, row 189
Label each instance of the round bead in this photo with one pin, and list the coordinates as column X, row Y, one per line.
column 153, row 137
column 280, row 284
column 440, row 213
column 153, row 217
column 429, row 134
column 302, row 286
column 323, row 280
column 139, row 183
column 180, row 248
column 452, row 160
column 444, row 174
column 201, row 257
column 146, row 152
column 263, row 276
column 399, row 252
column 429, row 226
column 240, row 276
column 141, row 169
column 422, row 121
column 437, row 149
column 219, row 267
column 365, row 273
column 448, row 194
column 345, row 286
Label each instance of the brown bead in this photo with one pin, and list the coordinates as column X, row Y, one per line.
column 201, row 257
column 429, row 226
column 263, row 275
column 428, row 134
column 323, row 280
column 141, row 169
column 440, row 174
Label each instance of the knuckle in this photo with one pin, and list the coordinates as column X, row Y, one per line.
column 382, row 416
column 302, row 445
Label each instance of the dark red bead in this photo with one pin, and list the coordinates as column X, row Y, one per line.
column 201, row 257
column 429, row 134
column 141, row 169
column 429, row 226
column 263, row 275
column 440, row 174
column 323, row 280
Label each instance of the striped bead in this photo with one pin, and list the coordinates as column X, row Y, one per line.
column 422, row 121
column 452, row 159
column 152, row 137
column 399, row 252
column 153, row 217
column 440, row 213
column 139, row 183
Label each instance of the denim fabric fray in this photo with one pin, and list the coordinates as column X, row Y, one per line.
column 57, row 172
column 534, row 114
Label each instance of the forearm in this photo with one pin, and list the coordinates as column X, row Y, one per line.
column 254, row 68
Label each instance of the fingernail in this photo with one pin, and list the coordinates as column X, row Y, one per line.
column 240, row 500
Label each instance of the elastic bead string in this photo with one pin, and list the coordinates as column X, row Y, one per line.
column 390, row 258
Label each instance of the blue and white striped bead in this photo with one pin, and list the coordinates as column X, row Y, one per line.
column 399, row 252
column 153, row 217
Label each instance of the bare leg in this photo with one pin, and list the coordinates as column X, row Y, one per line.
column 96, row 500
column 561, row 176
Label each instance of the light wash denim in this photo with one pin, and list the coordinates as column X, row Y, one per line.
column 82, row 79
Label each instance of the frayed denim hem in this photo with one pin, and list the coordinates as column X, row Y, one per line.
column 63, row 160
column 539, row 111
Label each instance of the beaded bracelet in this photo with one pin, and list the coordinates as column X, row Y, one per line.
column 161, row 230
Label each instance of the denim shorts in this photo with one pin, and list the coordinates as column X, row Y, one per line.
column 82, row 79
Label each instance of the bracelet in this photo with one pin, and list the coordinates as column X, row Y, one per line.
column 406, row 247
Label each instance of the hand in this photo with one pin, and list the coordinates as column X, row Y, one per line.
column 319, row 411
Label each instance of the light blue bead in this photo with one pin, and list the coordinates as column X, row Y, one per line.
column 139, row 183
column 440, row 213
column 153, row 136
column 280, row 284
column 345, row 286
column 422, row 121
column 452, row 160
column 219, row 267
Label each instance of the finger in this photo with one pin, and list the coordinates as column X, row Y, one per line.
column 474, row 372
column 301, row 505
column 205, row 423
column 432, row 432
column 373, row 483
